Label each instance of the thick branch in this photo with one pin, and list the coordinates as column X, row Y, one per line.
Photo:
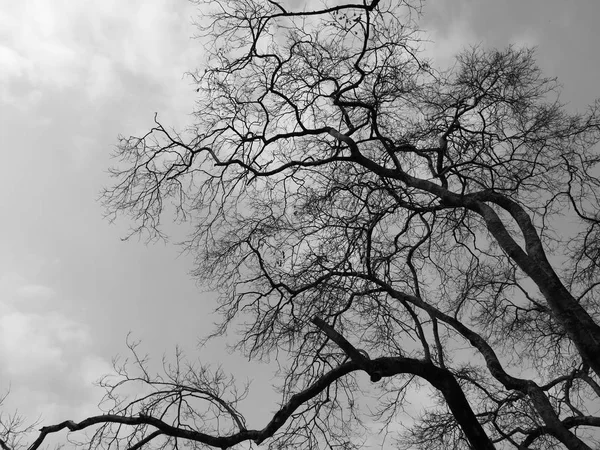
column 258, row 436
column 569, row 422
column 354, row 354
column 386, row 366
column 442, row 379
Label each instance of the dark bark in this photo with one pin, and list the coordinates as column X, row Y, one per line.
column 578, row 323
column 441, row 379
column 308, row 145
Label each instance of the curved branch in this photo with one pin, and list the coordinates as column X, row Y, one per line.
column 258, row 436
column 441, row 379
column 569, row 422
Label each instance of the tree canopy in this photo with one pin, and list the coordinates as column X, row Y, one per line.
column 360, row 209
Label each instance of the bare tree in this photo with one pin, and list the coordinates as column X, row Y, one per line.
column 343, row 190
column 13, row 427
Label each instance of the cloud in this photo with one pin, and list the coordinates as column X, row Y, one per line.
column 47, row 357
column 36, row 292
column 447, row 37
column 13, row 63
column 30, row 345
column 15, row 289
column 89, row 44
column 93, row 368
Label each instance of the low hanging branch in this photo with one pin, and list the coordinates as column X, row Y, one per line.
column 441, row 379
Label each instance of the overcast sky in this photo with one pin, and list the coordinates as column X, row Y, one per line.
column 74, row 75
